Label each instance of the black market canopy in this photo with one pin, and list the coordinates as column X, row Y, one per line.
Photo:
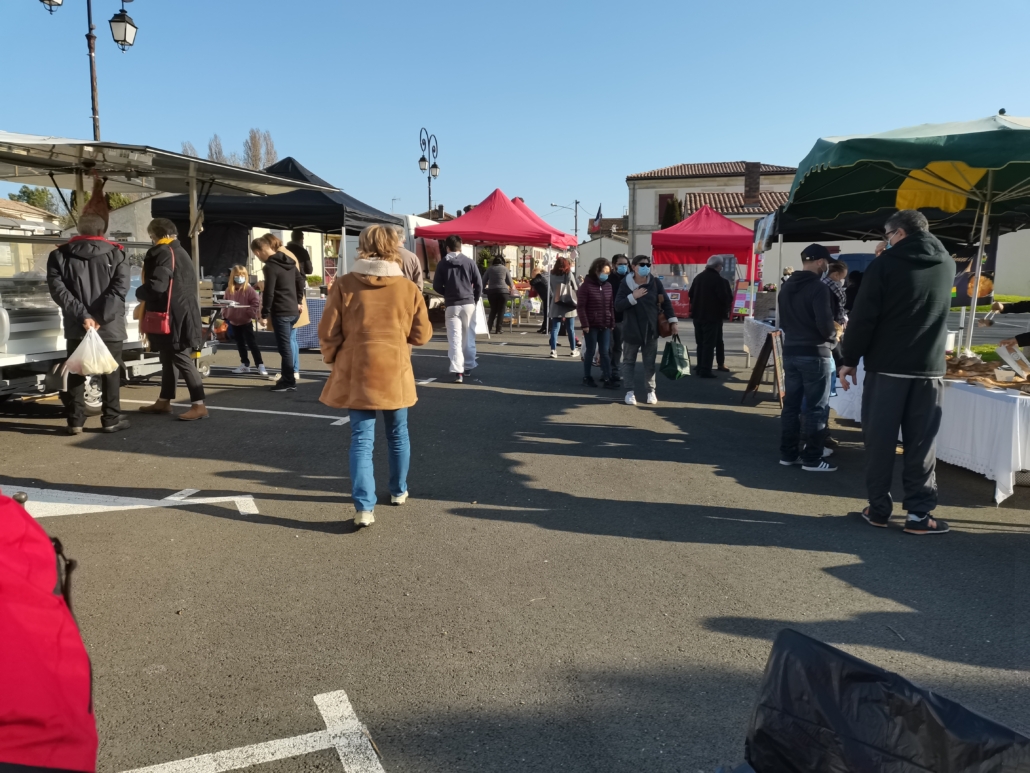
column 321, row 209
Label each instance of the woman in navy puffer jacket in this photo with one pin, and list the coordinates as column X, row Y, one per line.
column 596, row 311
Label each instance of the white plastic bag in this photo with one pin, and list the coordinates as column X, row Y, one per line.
column 479, row 326
column 91, row 357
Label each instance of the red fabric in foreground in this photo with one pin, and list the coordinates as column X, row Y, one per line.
column 697, row 238
column 46, row 702
column 495, row 221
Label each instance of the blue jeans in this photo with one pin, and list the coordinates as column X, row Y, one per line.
column 286, row 343
column 598, row 338
column 362, row 441
column 570, row 328
column 806, row 407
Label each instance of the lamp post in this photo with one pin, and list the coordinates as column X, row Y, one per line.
column 575, row 212
column 123, row 30
column 427, row 142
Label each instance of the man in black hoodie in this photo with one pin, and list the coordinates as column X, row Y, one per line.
column 808, row 338
column 89, row 278
column 281, row 306
column 899, row 326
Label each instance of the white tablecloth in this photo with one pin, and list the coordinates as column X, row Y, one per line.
column 984, row 430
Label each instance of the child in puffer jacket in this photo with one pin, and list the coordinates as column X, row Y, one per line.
column 242, row 317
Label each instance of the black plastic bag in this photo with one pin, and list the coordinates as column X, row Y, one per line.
column 675, row 360
column 821, row 710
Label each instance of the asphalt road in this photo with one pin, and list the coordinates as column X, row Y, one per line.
column 575, row 584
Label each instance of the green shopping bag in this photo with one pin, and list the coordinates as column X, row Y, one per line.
column 675, row 360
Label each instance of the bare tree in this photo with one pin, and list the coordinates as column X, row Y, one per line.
column 252, row 149
column 214, row 150
column 234, row 159
column 270, row 154
column 189, row 150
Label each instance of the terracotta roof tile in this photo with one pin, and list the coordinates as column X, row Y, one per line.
column 721, row 169
column 733, row 203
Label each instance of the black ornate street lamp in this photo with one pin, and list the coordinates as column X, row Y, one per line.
column 123, row 30
column 427, row 142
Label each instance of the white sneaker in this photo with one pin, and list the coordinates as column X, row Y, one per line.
column 821, row 467
column 574, row 353
column 364, row 518
column 652, row 398
column 296, row 375
column 275, row 376
column 242, row 369
column 554, row 354
column 399, row 500
column 631, row 399
column 262, row 370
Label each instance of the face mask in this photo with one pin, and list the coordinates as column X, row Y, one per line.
column 889, row 245
column 603, row 277
column 643, row 270
column 621, row 269
column 826, row 273
column 238, row 280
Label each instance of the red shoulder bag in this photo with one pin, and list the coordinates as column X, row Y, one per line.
column 160, row 322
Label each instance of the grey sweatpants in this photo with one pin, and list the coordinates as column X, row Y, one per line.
column 648, row 353
column 913, row 406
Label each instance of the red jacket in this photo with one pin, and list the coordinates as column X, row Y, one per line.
column 595, row 304
column 248, row 296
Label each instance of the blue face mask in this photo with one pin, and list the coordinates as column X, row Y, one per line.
column 239, row 280
column 643, row 270
column 603, row 277
column 621, row 269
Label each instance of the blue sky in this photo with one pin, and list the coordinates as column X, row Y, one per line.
column 552, row 101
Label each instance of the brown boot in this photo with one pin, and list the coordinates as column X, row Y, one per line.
column 161, row 406
column 194, row 413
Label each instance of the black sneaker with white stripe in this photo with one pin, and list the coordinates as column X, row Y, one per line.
column 823, row 466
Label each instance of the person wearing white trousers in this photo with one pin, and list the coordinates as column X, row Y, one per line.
column 458, row 280
column 461, row 340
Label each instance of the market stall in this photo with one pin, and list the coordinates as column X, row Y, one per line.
column 498, row 220
column 229, row 218
column 698, row 237
column 972, row 181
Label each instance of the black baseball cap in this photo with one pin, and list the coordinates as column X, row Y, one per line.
column 815, row 252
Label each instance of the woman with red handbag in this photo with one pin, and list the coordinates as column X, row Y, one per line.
column 171, row 319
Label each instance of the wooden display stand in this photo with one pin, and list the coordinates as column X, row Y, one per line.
column 773, row 346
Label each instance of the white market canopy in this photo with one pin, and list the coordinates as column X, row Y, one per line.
column 29, row 159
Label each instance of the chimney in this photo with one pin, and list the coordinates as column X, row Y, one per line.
column 752, row 183
column 439, row 212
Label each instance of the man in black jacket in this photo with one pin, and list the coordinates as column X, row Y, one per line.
column 300, row 252
column 89, row 278
column 806, row 319
column 711, row 301
column 899, row 327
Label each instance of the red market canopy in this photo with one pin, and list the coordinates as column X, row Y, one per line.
column 561, row 239
column 495, row 221
column 703, row 234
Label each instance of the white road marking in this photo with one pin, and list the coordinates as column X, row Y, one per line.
column 50, row 503
column 425, row 381
column 336, row 420
column 186, row 492
column 344, row 732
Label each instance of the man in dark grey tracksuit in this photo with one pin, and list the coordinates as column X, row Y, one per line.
column 899, row 326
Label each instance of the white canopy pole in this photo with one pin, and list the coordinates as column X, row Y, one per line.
column 975, row 295
column 751, row 283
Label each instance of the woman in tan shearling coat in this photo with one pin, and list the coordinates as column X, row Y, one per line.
column 371, row 316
